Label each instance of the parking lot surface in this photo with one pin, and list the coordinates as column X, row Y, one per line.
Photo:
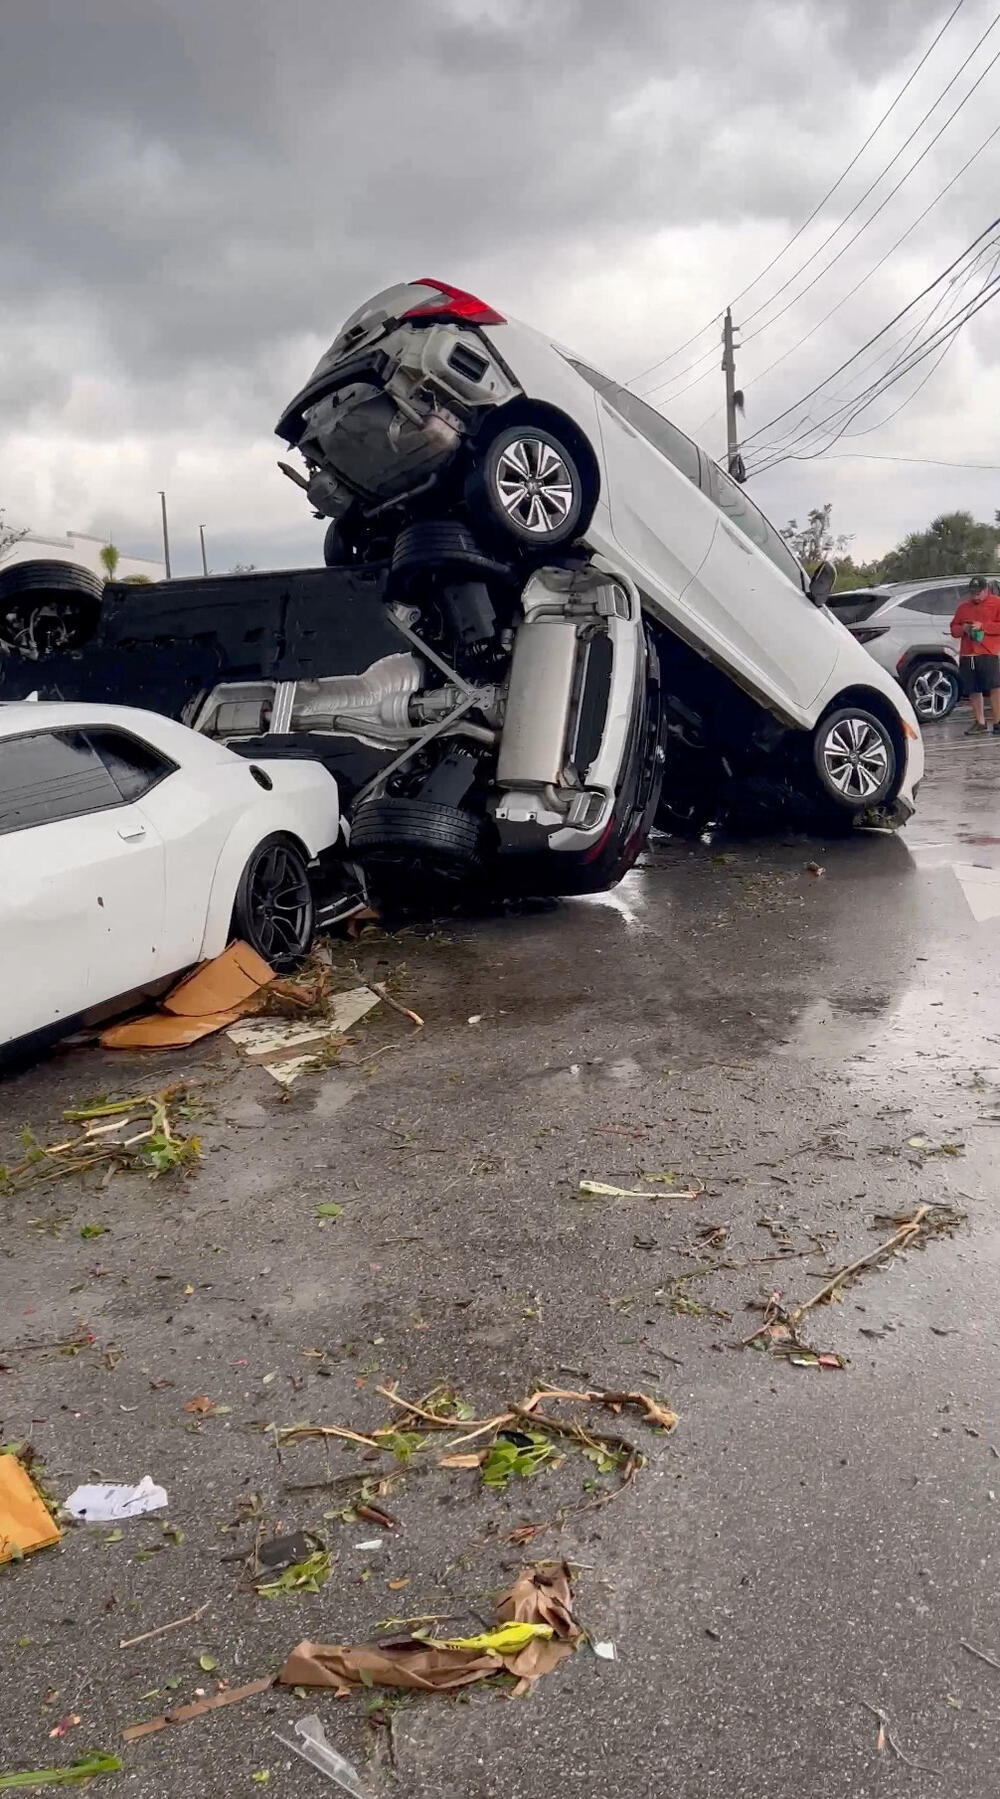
column 807, row 1031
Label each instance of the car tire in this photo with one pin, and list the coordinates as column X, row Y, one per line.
column 275, row 910
column 443, row 840
column 854, row 758
column 338, row 551
column 48, row 606
column 527, row 485
column 933, row 690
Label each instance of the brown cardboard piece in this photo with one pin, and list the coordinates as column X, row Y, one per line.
column 25, row 1521
column 212, row 996
column 539, row 1596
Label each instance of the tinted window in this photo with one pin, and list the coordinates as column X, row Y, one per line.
column 650, row 424
column 742, row 513
column 51, row 775
column 133, row 765
column 936, row 602
column 853, row 607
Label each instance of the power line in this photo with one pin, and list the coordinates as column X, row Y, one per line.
column 882, row 259
column 897, row 355
column 931, row 285
column 816, row 209
column 858, row 402
column 924, row 461
column 861, row 401
column 893, row 191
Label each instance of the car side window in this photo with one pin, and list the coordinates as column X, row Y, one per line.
column 51, row 775
column 934, row 602
column 649, row 423
column 741, row 512
column 133, row 765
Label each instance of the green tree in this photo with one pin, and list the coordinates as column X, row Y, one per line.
column 110, row 558
column 815, row 541
column 955, row 544
column 137, row 581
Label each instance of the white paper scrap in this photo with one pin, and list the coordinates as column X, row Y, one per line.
column 106, row 1503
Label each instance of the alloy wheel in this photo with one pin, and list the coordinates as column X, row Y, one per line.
column 933, row 693
column 279, row 903
column 856, row 758
column 534, row 486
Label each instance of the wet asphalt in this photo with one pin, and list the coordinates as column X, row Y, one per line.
column 806, row 1543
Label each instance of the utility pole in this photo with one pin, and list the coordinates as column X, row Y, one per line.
column 166, row 539
column 204, row 560
column 734, row 402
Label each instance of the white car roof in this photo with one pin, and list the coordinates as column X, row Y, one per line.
column 20, row 716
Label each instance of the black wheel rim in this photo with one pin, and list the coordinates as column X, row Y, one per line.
column 279, row 904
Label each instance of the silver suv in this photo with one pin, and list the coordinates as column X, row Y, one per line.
column 905, row 625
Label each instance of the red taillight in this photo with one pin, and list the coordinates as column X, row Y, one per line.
column 454, row 303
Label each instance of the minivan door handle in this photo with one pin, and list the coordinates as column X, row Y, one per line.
column 134, row 835
column 738, row 538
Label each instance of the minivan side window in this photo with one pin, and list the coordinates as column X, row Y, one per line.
column 649, row 423
column 51, row 775
column 742, row 513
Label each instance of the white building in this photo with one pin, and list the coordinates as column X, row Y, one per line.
column 81, row 548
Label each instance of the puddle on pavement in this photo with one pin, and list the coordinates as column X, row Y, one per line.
column 900, row 1030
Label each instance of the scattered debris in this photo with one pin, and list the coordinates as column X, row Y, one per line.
column 885, row 1737
column 306, row 1576
column 606, row 1651
column 213, row 995
column 315, row 1747
column 781, row 1328
column 602, row 1190
column 815, row 868
column 25, row 1521
column 231, row 1696
column 380, row 988
column 927, row 1148
column 540, row 1597
column 161, row 1629
column 980, row 1654
column 105, row 1503
column 519, row 1453
column 79, row 1770
column 477, row 1018
column 155, row 1148
column 286, row 1050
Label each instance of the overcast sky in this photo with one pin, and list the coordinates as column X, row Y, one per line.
column 195, row 193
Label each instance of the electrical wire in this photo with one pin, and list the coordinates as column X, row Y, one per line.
column 803, row 267
column 897, row 351
column 874, row 270
column 816, row 209
column 878, row 335
column 923, row 461
column 860, row 402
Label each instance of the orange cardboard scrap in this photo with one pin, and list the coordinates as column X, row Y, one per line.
column 213, row 995
column 25, row 1521
column 539, row 1596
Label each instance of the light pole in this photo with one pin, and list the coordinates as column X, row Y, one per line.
column 166, row 538
column 204, row 559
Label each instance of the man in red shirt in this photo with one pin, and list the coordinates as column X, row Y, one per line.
column 977, row 623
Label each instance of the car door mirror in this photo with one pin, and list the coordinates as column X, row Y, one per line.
column 822, row 583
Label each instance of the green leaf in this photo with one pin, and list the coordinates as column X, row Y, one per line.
column 173, row 1683
column 506, row 1459
column 207, row 1663
column 93, row 1230
column 328, row 1210
column 78, row 1770
column 262, row 1776
column 306, row 1576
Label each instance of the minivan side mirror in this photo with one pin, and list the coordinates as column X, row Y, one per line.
column 822, row 584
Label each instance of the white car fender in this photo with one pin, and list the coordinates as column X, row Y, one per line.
column 303, row 804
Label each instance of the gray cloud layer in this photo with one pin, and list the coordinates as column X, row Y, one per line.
column 195, row 192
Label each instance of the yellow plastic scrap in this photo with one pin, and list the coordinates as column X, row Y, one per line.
column 506, row 1639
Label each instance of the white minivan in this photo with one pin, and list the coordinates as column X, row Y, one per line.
column 430, row 404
